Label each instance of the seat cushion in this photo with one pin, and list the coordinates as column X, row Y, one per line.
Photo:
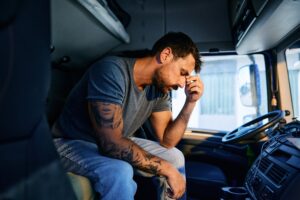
column 82, row 187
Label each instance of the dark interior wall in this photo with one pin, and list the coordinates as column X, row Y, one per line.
column 207, row 22
column 147, row 22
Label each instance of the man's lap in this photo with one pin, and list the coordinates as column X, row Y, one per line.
column 86, row 157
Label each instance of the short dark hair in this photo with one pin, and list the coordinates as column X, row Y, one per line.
column 181, row 45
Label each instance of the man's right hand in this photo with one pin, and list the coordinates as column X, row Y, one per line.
column 177, row 184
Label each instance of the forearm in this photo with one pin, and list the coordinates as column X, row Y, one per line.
column 127, row 150
column 175, row 129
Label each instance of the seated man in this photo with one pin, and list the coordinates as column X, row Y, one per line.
column 94, row 133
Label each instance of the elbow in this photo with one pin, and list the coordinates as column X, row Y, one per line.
column 107, row 148
column 104, row 151
column 167, row 145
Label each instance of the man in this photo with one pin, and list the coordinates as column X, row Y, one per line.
column 113, row 99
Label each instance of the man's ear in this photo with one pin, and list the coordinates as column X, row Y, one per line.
column 166, row 55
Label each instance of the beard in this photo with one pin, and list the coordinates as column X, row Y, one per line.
column 159, row 83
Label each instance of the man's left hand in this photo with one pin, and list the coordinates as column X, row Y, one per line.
column 193, row 88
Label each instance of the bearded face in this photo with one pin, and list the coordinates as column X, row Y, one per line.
column 172, row 73
column 159, row 81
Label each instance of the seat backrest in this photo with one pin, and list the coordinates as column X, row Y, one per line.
column 27, row 153
column 24, row 69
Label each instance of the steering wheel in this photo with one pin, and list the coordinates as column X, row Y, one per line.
column 254, row 127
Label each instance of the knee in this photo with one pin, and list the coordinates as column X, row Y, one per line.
column 114, row 177
column 176, row 158
column 124, row 169
column 117, row 175
column 120, row 171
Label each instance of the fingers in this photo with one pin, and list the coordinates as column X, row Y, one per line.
column 194, row 87
column 193, row 81
column 175, row 195
column 177, row 189
column 178, row 194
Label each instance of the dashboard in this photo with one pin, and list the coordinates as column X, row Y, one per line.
column 276, row 172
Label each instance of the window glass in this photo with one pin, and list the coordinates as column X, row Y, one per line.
column 293, row 63
column 229, row 99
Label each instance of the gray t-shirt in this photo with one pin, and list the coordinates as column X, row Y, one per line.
column 110, row 80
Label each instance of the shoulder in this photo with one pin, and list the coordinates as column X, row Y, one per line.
column 111, row 64
column 114, row 61
column 107, row 80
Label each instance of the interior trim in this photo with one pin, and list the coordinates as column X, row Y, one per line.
column 198, row 136
column 278, row 19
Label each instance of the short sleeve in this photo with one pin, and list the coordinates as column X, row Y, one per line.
column 163, row 104
column 106, row 82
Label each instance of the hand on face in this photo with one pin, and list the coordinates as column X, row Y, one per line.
column 193, row 88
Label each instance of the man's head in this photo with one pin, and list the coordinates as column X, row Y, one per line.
column 181, row 45
column 177, row 56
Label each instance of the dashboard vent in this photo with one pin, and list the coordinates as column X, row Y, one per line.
column 277, row 174
column 264, row 165
column 274, row 172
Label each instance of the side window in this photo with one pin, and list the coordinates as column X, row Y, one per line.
column 293, row 63
column 235, row 92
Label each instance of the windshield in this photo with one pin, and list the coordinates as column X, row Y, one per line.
column 235, row 92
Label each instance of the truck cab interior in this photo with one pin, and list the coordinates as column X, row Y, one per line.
column 243, row 139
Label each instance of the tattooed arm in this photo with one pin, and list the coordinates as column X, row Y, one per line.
column 108, row 125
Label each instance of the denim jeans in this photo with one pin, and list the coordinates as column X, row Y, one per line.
column 111, row 176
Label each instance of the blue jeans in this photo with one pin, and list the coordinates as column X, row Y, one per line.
column 109, row 176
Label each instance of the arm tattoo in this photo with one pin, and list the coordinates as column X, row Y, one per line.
column 107, row 115
column 136, row 159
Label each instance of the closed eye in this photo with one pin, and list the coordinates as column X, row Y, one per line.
column 184, row 72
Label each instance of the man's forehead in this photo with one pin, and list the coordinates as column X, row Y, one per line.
column 189, row 65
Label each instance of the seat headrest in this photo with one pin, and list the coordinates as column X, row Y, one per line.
column 8, row 11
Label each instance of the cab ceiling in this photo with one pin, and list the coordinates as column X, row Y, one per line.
column 207, row 22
